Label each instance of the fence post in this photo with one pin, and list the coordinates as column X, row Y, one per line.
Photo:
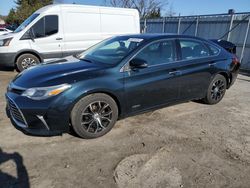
column 145, row 26
column 245, row 41
column 230, row 27
column 196, row 27
column 179, row 25
column 163, row 24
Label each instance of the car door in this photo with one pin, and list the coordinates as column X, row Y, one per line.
column 156, row 84
column 195, row 68
column 47, row 37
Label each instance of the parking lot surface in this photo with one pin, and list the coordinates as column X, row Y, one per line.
column 186, row 145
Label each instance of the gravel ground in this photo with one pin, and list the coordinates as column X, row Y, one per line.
column 187, row 145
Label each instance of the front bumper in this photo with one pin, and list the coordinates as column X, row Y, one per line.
column 37, row 117
column 7, row 59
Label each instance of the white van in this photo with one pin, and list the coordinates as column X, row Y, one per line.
column 60, row 30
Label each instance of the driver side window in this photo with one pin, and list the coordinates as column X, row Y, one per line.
column 46, row 26
column 157, row 53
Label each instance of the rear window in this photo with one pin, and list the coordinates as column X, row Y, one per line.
column 214, row 50
column 193, row 49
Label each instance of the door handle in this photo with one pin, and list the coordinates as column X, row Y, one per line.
column 212, row 64
column 59, row 38
column 174, row 72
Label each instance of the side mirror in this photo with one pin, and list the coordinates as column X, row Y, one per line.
column 138, row 63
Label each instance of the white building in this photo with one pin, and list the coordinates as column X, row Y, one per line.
column 2, row 22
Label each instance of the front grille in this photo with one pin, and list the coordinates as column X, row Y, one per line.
column 16, row 113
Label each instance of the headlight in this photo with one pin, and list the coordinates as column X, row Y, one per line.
column 5, row 42
column 40, row 93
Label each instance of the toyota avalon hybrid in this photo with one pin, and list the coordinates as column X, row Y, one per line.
column 117, row 78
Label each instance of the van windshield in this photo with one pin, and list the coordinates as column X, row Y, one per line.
column 26, row 23
column 111, row 51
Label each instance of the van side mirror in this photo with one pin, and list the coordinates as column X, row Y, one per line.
column 138, row 63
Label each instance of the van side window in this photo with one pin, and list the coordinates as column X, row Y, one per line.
column 46, row 26
column 51, row 25
column 38, row 29
column 193, row 49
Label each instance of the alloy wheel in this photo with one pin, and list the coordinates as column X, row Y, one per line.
column 96, row 117
column 28, row 62
column 218, row 90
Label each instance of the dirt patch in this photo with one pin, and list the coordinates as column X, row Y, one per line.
column 187, row 145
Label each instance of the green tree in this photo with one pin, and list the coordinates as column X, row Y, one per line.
column 11, row 18
column 24, row 8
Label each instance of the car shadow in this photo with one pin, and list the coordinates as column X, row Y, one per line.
column 8, row 69
column 7, row 180
column 243, row 79
column 245, row 73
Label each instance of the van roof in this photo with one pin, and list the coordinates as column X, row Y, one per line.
column 56, row 6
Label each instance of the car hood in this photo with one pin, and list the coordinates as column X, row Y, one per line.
column 7, row 35
column 60, row 71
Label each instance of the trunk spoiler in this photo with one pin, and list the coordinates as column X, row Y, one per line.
column 230, row 47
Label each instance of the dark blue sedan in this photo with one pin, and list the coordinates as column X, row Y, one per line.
column 117, row 78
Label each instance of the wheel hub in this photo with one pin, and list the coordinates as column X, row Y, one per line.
column 96, row 116
column 216, row 90
column 28, row 62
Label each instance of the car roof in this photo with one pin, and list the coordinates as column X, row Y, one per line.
column 155, row 36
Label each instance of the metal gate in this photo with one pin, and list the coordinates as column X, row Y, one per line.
column 231, row 27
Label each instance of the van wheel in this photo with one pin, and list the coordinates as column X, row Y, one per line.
column 25, row 61
column 94, row 115
column 216, row 90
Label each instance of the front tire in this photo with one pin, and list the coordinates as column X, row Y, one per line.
column 25, row 61
column 94, row 115
column 216, row 90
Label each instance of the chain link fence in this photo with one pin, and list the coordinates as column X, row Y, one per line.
column 231, row 27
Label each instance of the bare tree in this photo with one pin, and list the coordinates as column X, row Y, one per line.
column 145, row 7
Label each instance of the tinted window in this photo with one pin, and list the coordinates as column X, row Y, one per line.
column 46, row 26
column 214, row 50
column 2, row 30
column 158, row 53
column 38, row 29
column 51, row 25
column 111, row 51
column 193, row 49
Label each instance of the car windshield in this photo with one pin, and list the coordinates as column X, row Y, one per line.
column 111, row 51
column 26, row 23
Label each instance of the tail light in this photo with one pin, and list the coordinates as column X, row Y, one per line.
column 235, row 60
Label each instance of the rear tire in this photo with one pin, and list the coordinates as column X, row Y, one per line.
column 94, row 115
column 25, row 61
column 216, row 90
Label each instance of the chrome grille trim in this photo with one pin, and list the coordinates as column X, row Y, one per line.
column 43, row 121
column 16, row 113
